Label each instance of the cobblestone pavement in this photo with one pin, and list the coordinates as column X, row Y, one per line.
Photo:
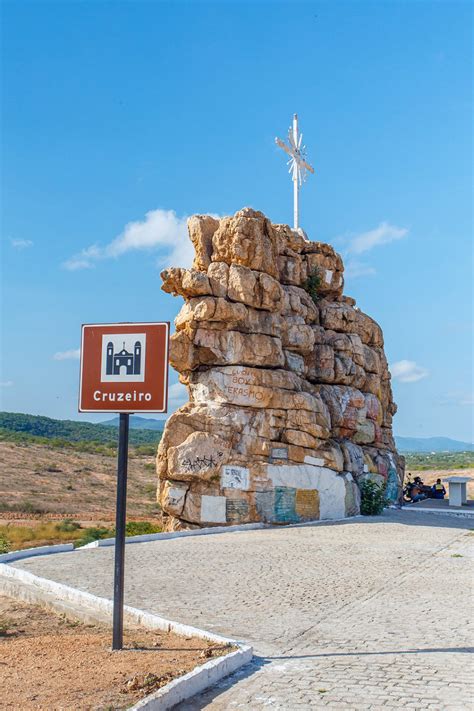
column 372, row 613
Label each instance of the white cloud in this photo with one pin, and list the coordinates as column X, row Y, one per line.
column 458, row 398
column 21, row 243
column 354, row 269
column 160, row 230
column 73, row 354
column 6, row 383
column 177, row 396
column 407, row 371
column 383, row 234
column 84, row 260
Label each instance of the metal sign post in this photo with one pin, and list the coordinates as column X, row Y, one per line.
column 120, row 523
column 124, row 369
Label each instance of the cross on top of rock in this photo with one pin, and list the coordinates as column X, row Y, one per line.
column 297, row 163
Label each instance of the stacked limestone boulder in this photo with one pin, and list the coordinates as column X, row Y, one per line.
column 290, row 405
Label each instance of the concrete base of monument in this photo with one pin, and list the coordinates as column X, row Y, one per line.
column 23, row 585
column 308, row 492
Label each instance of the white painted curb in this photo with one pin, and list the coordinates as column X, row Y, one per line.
column 25, row 585
column 146, row 537
column 31, row 552
column 442, row 512
column 195, row 682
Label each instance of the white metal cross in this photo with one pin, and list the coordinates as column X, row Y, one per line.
column 297, row 163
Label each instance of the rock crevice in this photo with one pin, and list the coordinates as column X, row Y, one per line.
column 290, row 404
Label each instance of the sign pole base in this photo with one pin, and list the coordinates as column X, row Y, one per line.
column 120, row 523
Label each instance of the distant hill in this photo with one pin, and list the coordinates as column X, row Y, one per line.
column 148, row 431
column 432, row 444
column 138, row 423
column 68, row 430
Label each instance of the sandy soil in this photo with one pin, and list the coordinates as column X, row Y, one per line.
column 429, row 477
column 37, row 479
column 44, row 483
column 49, row 662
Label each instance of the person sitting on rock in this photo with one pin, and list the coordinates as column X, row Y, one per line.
column 416, row 491
column 439, row 492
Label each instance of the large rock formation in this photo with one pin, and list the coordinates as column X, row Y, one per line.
column 290, row 404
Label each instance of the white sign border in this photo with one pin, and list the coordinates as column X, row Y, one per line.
column 121, row 325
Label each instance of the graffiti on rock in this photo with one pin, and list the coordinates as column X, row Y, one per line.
column 202, row 463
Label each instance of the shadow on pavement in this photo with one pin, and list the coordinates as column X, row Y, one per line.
column 427, row 650
column 257, row 663
column 405, row 516
column 201, row 701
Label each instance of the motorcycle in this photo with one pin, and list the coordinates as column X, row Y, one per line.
column 422, row 488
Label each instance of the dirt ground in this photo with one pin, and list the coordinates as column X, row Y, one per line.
column 49, row 662
column 429, row 477
column 42, row 482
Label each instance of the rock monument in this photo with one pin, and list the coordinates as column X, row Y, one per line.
column 290, row 404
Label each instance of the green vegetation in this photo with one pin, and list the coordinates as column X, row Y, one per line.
column 23, row 439
column 67, row 526
column 132, row 528
column 92, row 534
column 15, row 537
column 423, row 461
column 82, row 436
column 4, row 626
column 372, row 498
column 313, row 284
column 40, row 534
column 23, row 507
column 4, row 544
column 141, row 528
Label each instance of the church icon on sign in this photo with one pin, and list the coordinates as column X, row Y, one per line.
column 124, row 362
column 123, row 358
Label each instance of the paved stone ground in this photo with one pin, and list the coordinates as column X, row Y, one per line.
column 372, row 613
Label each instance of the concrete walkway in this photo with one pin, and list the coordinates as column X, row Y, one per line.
column 372, row 613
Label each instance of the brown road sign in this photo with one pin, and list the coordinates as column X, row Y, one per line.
column 124, row 367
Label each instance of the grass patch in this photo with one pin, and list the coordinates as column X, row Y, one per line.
column 47, row 533
column 68, row 526
column 424, row 461
column 93, row 534
column 14, row 537
column 4, row 544
column 107, row 449
column 4, row 626
column 132, row 528
column 22, row 507
column 141, row 528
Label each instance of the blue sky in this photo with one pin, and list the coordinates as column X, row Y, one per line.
column 147, row 112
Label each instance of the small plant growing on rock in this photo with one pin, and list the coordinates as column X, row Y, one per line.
column 372, row 497
column 313, row 284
